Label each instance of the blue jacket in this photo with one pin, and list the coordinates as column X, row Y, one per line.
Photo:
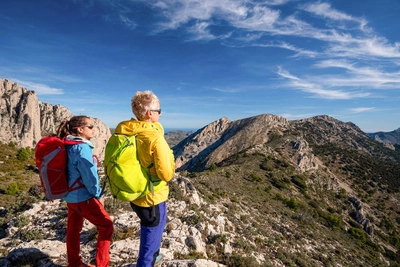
column 81, row 163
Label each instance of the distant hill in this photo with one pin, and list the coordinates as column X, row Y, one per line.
column 392, row 137
column 175, row 136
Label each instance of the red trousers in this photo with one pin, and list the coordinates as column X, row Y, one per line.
column 94, row 212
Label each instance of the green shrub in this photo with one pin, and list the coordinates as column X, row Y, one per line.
column 236, row 260
column 124, row 233
column 32, row 234
column 334, row 221
column 213, row 167
column 23, row 154
column 220, row 238
column 194, row 219
column 395, row 241
column 12, row 189
column 300, row 181
column 242, row 244
column 255, row 177
column 21, row 221
column 358, row 234
column 279, row 196
column 267, row 189
column 291, row 203
column 387, row 224
column 279, row 183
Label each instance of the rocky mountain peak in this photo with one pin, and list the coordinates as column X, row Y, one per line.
column 24, row 119
column 223, row 138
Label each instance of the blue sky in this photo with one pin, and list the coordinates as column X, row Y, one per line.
column 210, row 58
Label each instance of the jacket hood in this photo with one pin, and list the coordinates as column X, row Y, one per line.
column 134, row 126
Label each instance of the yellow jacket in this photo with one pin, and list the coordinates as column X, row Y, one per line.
column 152, row 148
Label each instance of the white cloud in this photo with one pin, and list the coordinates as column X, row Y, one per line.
column 254, row 19
column 316, row 89
column 40, row 89
column 299, row 52
column 229, row 90
column 239, row 14
column 359, row 110
column 356, row 76
column 290, row 116
column 200, row 31
column 329, row 36
column 128, row 23
column 325, row 10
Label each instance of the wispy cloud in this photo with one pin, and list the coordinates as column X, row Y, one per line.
column 200, row 31
column 290, row 116
column 360, row 76
column 359, row 110
column 40, row 89
column 227, row 90
column 317, row 90
column 299, row 52
column 329, row 38
column 128, row 23
column 343, row 35
column 325, row 10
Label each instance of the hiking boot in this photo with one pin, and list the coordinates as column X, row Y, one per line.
column 159, row 259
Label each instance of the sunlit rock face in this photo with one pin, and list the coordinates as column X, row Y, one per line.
column 25, row 120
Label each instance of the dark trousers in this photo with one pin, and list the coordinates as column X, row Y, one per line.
column 152, row 223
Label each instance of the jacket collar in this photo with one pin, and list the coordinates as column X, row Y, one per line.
column 78, row 139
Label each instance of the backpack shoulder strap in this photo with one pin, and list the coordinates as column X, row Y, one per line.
column 78, row 182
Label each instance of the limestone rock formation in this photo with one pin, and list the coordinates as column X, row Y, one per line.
column 304, row 157
column 359, row 214
column 24, row 119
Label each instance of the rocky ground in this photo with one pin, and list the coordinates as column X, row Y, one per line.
column 37, row 237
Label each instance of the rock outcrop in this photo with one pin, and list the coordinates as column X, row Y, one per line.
column 359, row 215
column 24, row 119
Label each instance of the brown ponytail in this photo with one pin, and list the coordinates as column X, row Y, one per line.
column 69, row 127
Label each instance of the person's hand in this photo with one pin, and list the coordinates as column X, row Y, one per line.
column 102, row 201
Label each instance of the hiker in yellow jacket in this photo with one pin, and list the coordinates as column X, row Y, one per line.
column 152, row 148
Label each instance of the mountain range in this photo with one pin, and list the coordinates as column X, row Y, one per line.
column 259, row 191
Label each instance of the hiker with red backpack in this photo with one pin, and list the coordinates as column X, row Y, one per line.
column 155, row 155
column 84, row 199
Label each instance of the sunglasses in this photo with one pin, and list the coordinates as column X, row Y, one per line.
column 90, row 126
column 156, row 110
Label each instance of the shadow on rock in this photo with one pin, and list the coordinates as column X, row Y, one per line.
column 28, row 257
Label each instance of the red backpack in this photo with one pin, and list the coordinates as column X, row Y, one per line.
column 51, row 160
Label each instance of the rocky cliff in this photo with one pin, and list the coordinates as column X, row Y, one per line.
column 24, row 119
